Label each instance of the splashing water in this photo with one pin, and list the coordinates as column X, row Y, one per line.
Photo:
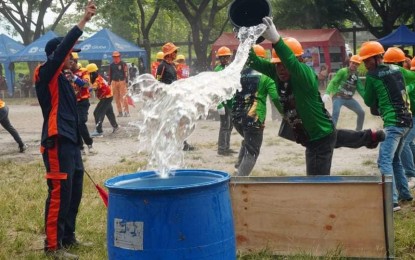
column 169, row 112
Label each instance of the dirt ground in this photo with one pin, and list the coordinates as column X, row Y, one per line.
column 278, row 157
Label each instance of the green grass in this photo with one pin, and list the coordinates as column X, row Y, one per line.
column 23, row 189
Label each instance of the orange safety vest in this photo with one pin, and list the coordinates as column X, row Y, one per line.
column 103, row 90
column 183, row 71
column 81, row 93
column 154, row 67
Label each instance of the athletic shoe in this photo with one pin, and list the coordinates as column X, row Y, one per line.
column 91, row 150
column 187, row 147
column 60, row 254
column 396, row 207
column 224, row 153
column 411, row 182
column 23, row 148
column 231, row 151
column 377, row 137
column 76, row 243
column 115, row 129
column 96, row 134
column 120, row 115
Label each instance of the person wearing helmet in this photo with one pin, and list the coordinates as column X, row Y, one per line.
column 394, row 55
column 183, row 70
column 156, row 63
column 225, row 108
column 80, row 84
column 104, row 107
column 249, row 113
column 343, row 87
column 306, row 120
column 118, row 79
column 60, row 141
column 385, row 91
column 166, row 73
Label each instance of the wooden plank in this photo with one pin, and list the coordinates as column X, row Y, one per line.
column 310, row 218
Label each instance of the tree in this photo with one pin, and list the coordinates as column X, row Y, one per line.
column 21, row 15
column 390, row 12
column 201, row 16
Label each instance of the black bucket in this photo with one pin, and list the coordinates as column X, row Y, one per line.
column 248, row 12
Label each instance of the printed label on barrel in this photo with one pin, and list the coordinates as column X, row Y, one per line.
column 128, row 235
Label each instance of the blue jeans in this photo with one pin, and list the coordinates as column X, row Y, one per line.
column 408, row 151
column 389, row 161
column 351, row 104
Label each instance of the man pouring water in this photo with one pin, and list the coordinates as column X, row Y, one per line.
column 305, row 116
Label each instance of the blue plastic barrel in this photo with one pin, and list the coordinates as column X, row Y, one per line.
column 185, row 216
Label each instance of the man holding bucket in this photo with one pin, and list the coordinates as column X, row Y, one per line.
column 60, row 141
column 306, row 121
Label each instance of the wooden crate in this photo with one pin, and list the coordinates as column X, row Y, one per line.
column 314, row 215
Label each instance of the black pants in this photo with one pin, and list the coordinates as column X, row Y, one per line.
column 319, row 153
column 64, row 174
column 83, row 107
column 225, row 130
column 104, row 108
column 5, row 122
column 250, row 147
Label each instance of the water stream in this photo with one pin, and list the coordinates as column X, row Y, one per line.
column 169, row 112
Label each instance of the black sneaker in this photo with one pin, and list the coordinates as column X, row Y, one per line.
column 76, row 243
column 224, row 153
column 187, row 147
column 396, row 207
column 231, row 151
column 377, row 137
column 60, row 254
column 23, row 148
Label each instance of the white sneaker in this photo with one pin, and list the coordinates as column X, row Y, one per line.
column 91, row 150
column 411, row 182
column 396, row 207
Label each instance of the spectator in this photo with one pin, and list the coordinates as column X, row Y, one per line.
column 225, row 108
column 60, row 142
column 183, row 70
column 118, row 79
column 166, row 73
column 156, row 63
column 322, row 76
column 5, row 123
column 132, row 72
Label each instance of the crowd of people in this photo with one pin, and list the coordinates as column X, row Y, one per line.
column 63, row 89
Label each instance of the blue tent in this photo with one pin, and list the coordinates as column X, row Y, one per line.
column 8, row 47
column 401, row 36
column 101, row 45
column 34, row 51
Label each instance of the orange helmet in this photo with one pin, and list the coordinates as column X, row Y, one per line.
column 394, row 55
column 413, row 64
column 224, row 51
column 116, row 54
column 169, row 48
column 356, row 58
column 293, row 44
column 370, row 49
column 259, row 51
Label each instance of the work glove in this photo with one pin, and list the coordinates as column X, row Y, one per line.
column 326, row 98
column 221, row 111
column 271, row 33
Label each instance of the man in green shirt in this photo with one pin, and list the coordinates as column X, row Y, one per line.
column 343, row 87
column 249, row 113
column 304, row 111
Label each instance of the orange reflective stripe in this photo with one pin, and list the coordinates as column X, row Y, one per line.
column 56, row 175
column 54, row 93
column 53, row 215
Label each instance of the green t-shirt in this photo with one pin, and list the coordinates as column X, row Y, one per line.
column 345, row 83
column 384, row 90
column 303, row 80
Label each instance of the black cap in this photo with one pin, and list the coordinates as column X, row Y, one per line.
column 52, row 44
